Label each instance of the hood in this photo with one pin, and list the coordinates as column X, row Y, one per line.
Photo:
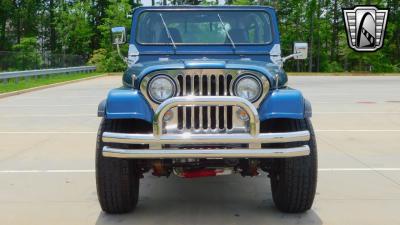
column 269, row 70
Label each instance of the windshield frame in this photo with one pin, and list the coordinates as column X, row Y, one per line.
column 206, row 10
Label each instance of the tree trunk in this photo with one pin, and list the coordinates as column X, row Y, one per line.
column 334, row 40
column 310, row 59
column 335, row 30
column 318, row 58
column 396, row 34
column 3, row 35
column 18, row 20
column 52, row 27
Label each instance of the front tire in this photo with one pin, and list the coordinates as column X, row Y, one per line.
column 117, row 180
column 294, row 180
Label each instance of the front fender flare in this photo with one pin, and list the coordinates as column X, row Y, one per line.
column 101, row 109
column 125, row 103
column 285, row 103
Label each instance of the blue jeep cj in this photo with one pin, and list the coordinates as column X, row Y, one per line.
column 205, row 95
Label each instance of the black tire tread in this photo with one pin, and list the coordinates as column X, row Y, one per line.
column 294, row 180
column 117, row 180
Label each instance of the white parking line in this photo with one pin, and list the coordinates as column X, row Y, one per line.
column 49, row 105
column 45, row 171
column 48, row 132
column 357, row 169
column 95, row 132
column 92, row 170
column 58, row 97
column 94, row 115
column 364, row 112
column 357, row 130
column 48, row 115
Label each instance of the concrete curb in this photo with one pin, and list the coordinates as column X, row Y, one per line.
column 8, row 94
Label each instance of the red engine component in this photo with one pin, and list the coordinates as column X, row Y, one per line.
column 205, row 173
column 199, row 173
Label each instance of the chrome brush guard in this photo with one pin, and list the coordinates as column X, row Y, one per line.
column 160, row 138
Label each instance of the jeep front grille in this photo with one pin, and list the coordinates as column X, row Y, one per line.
column 205, row 117
column 204, row 82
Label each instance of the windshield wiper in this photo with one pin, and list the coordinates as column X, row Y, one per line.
column 227, row 33
column 167, row 30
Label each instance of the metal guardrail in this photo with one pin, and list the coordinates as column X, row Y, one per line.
column 36, row 73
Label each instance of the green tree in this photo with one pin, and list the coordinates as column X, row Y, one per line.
column 107, row 58
column 116, row 16
column 74, row 28
column 6, row 12
column 26, row 55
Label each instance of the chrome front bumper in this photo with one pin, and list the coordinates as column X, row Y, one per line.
column 254, row 138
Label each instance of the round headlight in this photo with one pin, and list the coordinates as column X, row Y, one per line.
column 248, row 87
column 161, row 88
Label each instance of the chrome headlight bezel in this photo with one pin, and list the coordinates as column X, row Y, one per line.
column 161, row 76
column 252, row 77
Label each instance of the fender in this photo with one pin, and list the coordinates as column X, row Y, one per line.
column 307, row 109
column 125, row 103
column 285, row 103
column 101, row 109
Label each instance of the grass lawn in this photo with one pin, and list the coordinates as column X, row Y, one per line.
column 13, row 85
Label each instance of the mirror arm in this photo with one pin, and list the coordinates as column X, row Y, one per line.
column 120, row 55
column 284, row 59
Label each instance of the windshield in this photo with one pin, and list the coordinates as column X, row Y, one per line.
column 204, row 27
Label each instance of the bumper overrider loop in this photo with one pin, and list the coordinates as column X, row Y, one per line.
column 254, row 138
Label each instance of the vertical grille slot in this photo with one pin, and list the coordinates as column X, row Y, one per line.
column 204, row 83
column 196, row 121
column 188, row 85
column 220, row 125
column 180, row 117
column 217, row 118
column 221, row 83
column 205, row 118
column 229, row 118
column 188, row 117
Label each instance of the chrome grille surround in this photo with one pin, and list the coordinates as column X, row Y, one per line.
column 205, row 82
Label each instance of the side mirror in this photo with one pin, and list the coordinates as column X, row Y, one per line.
column 119, row 38
column 300, row 49
column 118, row 35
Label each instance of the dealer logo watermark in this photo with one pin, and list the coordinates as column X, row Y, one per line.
column 365, row 27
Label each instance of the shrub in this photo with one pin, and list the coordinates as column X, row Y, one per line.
column 25, row 55
column 107, row 61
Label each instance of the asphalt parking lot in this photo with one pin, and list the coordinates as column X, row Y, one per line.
column 47, row 162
